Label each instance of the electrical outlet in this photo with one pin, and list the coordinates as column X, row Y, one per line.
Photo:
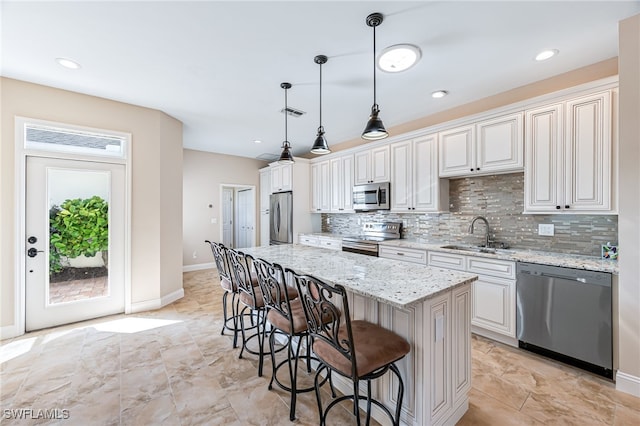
column 195, row 254
column 214, row 220
column 545, row 229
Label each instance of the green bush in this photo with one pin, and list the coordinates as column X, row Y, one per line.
column 78, row 227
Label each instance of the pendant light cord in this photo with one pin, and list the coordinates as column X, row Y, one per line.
column 286, row 138
column 375, row 103
column 320, row 127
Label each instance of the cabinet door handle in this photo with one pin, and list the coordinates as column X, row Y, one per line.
column 471, row 169
column 557, row 207
column 400, row 254
column 567, row 206
column 477, row 168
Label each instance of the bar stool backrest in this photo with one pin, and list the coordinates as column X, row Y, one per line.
column 271, row 279
column 241, row 270
column 222, row 262
column 326, row 321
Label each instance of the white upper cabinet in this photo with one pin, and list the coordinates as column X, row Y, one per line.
column 320, row 187
column 265, row 189
column 341, row 179
column 415, row 185
column 569, row 157
column 486, row 147
column 281, row 178
column 372, row 165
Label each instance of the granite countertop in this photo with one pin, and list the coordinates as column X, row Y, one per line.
column 591, row 263
column 387, row 281
column 324, row 234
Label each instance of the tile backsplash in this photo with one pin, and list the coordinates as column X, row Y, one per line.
column 500, row 199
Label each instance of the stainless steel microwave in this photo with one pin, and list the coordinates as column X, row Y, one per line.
column 371, row 196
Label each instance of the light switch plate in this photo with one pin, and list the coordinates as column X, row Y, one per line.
column 214, row 220
column 546, row 229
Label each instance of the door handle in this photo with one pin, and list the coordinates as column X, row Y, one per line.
column 33, row 252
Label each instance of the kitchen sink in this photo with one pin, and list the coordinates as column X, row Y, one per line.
column 471, row 248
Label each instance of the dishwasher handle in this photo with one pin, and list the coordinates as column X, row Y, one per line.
column 586, row 277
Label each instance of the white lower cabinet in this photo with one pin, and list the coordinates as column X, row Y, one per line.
column 493, row 303
column 437, row 371
column 406, row 254
column 330, row 243
column 309, row 240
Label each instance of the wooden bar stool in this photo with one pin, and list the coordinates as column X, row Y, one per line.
column 358, row 350
column 285, row 314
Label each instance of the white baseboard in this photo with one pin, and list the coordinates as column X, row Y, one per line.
column 150, row 305
column 628, row 384
column 198, row 267
column 9, row 331
column 511, row 341
column 172, row 297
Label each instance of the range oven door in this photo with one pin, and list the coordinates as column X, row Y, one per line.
column 360, row 248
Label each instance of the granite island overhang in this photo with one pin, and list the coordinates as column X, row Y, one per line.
column 430, row 307
column 387, row 281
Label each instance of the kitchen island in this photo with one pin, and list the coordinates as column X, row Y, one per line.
column 430, row 307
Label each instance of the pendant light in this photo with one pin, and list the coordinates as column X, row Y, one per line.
column 286, row 157
column 320, row 146
column 374, row 129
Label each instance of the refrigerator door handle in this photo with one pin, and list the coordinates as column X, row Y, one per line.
column 278, row 218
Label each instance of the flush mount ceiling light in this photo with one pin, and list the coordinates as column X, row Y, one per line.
column 374, row 130
column 399, row 57
column 546, row 54
column 68, row 63
column 320, row 145
column 286, row 157
column 439, row 94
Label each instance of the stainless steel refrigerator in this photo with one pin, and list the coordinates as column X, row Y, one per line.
column 281, row 218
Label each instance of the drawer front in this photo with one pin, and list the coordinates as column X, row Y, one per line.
column 309, row 240
column 491, row 267
column 331, row 243
column 446, row 260
column 405, row 254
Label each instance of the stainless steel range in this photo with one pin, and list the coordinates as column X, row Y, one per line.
column 372, row 233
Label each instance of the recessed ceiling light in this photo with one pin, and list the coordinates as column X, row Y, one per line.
column 399, row 57
column 257, row 141
column 68, row 63
column 546, row 54
column 439, row 94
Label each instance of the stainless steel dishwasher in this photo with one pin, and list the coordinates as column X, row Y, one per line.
column 565, row 314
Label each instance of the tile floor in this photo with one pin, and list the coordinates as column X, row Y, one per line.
column 172, row 367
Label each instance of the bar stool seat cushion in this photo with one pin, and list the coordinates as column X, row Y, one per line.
column 375, row 347
column 282, row 323
column 248, row 300
column 227, row 285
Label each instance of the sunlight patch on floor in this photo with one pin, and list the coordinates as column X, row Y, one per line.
column 133, row 325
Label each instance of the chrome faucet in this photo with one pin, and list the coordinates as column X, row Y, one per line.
column 486, row 222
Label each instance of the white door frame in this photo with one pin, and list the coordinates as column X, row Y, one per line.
column 236, row 186
column 21, row 154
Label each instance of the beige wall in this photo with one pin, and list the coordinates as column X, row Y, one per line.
column 629, row 204
column 204, row 172
column 156, row 169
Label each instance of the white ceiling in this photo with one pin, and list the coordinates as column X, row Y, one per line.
column 217, row 66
